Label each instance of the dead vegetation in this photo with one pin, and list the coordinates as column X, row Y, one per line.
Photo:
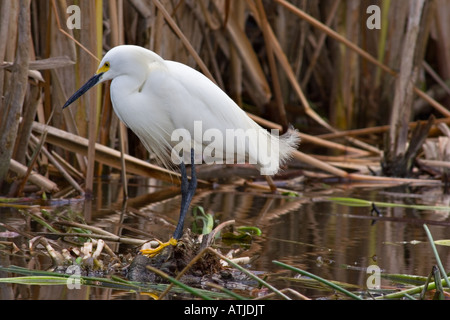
column 354, row 92
column 370, row 104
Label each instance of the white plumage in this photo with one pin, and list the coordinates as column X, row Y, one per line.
column 155, row 97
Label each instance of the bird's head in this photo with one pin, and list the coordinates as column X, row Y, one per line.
column 118, row 61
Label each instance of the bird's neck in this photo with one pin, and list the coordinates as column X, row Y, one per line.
column 127, row 84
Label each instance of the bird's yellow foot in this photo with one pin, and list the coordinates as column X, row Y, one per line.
column 153, row 252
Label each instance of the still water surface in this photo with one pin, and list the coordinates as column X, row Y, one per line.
column 310, row 232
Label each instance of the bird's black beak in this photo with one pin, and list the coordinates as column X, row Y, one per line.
column 89, row 84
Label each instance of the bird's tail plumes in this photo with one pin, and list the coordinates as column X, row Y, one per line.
column 276, row 150
column 288, row 144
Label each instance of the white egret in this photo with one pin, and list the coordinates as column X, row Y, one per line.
column 164, row 102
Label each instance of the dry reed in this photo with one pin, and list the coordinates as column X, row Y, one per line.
column 313, row 64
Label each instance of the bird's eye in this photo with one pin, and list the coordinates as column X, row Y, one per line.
column 107, row 64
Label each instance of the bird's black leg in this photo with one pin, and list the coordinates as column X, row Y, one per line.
column 187, row 193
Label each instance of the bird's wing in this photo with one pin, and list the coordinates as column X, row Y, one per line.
column 202, row 100
column 196, row 98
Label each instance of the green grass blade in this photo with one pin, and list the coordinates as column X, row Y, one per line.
column 442, row 242
column 438, row 260
column 428, row 286
column 35, row 280
column 410, row 291
column 206, row 218
column 405, row 279
column 324, row 281
column 38, row 277
column 354, row 202
column 40, row 221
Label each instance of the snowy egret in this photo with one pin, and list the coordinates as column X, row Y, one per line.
column 183, row 117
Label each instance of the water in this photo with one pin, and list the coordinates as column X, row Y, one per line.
column 310, row 232
column 338, row 242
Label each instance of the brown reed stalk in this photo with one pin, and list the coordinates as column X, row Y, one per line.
column 16, row 90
